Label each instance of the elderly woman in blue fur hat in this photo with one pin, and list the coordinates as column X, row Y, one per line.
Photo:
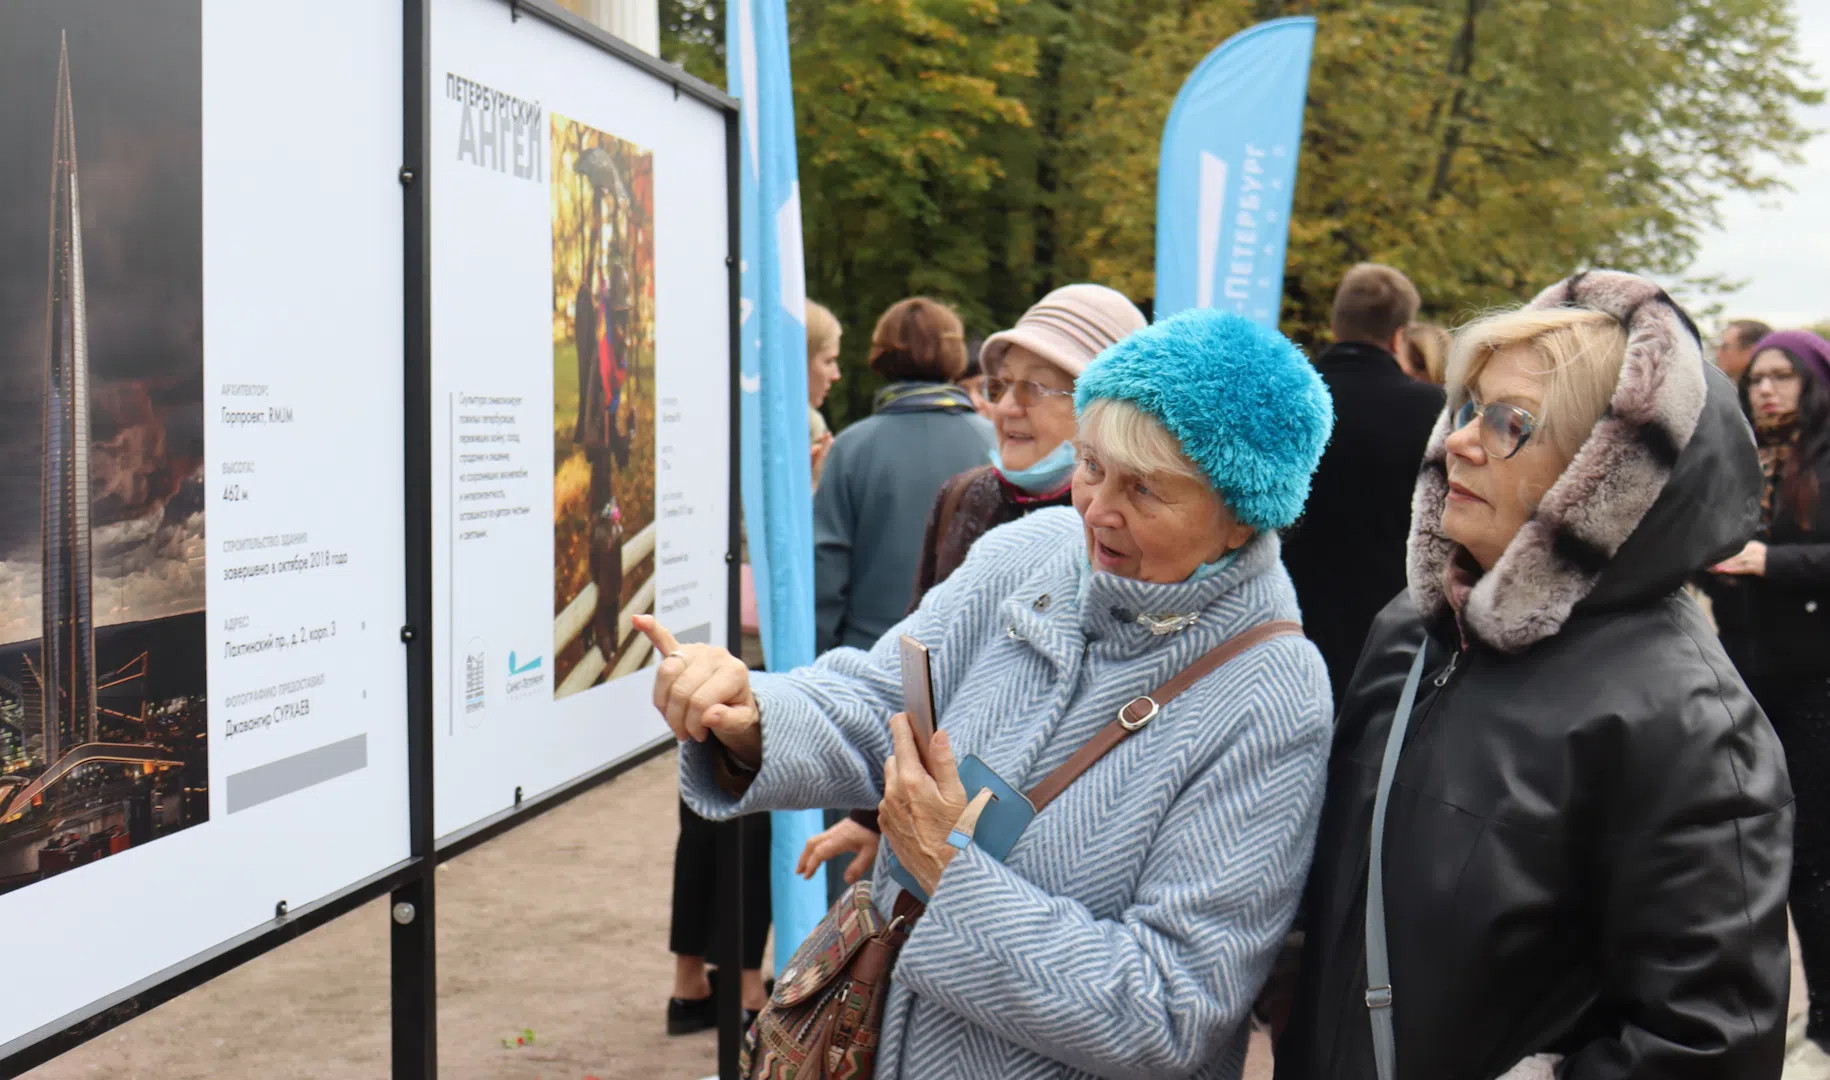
column 1129, row 926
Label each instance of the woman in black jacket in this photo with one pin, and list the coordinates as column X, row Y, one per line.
column 1588, row 837
column 1772, row 604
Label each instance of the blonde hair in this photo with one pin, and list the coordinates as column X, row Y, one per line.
column 823, row 329
column 1582, row 352
column 1127, row 438
column 1431, row 345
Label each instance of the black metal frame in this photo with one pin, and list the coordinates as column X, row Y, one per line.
column 730, row 844
column 409, row 883
column 412, row 927
column 68, row 1032
column 548, row 11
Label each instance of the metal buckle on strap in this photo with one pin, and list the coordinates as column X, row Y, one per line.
column 1378, row 997
column 1124, row 718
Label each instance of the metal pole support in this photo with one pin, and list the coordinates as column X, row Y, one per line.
column 727, row 946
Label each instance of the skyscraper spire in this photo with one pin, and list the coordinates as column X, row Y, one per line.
column 68, row 670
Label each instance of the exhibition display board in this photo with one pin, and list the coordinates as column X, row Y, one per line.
column 202, row 693
column 581, row 426
column 365, row 369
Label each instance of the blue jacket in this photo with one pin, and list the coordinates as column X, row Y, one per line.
column 871, row 508
column 1136, row 918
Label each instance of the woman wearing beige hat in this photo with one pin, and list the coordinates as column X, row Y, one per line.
column 1029, row 379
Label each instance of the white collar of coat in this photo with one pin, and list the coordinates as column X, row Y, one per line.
column 1063, row 605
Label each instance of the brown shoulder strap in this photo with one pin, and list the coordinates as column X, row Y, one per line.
column 950, row 499
column 1141, row 710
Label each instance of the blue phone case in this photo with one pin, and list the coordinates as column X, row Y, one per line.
column 999, row 827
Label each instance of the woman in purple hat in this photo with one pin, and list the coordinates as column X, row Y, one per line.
column 1772, row 604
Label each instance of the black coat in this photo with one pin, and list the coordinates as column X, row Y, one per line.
column 1778, row 626
column 1589, row 835
column 1346, row 556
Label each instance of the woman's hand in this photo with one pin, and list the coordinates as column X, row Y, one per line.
column 846, row 836
column 1750, row 563
column 919, row 809
column 704, row 691
column 821, row 447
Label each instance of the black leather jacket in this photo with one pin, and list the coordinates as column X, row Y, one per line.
column 1589, row 839
column 1778, row 626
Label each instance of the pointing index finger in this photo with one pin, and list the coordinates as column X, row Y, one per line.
column 664, row 642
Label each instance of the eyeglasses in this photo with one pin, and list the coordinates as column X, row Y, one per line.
column 1029, row 392
column 1776, row 378
column 1504, row 428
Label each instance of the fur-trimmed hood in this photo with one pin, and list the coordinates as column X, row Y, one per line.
column 1667, row 483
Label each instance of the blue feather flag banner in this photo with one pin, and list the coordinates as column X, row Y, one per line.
column 1228, row 173
column 776, row 450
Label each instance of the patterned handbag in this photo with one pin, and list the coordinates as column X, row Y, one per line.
column 825, row 1017
column 827, row 1010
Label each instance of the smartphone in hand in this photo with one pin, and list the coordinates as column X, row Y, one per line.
column 918, row 693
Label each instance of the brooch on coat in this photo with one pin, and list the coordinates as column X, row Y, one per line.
column 1168, row 622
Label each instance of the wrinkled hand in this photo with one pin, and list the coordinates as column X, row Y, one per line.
column 1750, row 563
column 919, row 809
column 846, row 836
column 704, row 691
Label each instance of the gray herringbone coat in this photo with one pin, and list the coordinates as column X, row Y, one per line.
column 1138, row 915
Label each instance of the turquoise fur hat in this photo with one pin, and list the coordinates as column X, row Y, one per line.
column 1244, row 402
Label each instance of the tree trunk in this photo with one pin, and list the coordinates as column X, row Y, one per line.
column 1461, row 62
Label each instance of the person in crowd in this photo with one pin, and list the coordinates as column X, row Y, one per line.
column 823, row 333
column 883, row 471
column 1425, row 352
column 1033, row 366
column 972, row 381
column 692, row 1007
column 693, row 929
column 1772, row 605
column 1030, row 372
column 1130, row 926
column 1347, row 554
column 1588, row 833
column 1735, row 348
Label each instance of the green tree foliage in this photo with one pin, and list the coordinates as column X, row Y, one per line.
column 692, row 36
column 906, row 123
column 933, row 149
column 984, row 151
column 1486, row 147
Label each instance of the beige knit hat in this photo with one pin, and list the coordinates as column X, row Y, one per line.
column 1068, row 328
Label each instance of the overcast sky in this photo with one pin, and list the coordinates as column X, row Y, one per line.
column 1780, row 245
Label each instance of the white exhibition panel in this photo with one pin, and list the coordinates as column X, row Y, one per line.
column 508, row 709
column 302, row 406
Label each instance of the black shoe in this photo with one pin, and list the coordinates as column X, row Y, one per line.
column 690, row 1016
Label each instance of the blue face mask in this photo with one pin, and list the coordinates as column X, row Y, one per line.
column 1045, row 477
column 1202, row 572
column 1207, row 570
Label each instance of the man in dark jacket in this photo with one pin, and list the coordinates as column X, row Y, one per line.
column 1346, row 556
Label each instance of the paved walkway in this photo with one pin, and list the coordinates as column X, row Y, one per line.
column 559, row 927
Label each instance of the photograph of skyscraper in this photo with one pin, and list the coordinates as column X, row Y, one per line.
column 103, row 695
